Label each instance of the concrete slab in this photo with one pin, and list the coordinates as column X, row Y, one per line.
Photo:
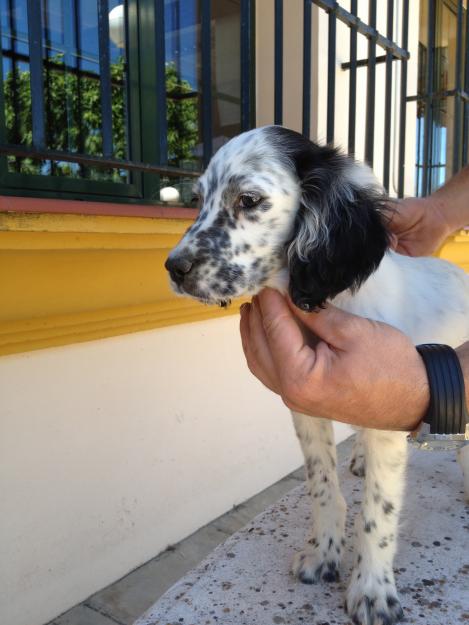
column 246, row 580
column 83, row 615
column 126, row 599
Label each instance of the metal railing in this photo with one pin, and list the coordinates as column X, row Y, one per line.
column 375, row 39
column 393, row 52
column 432, row 96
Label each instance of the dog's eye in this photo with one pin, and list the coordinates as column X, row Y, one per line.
column 248, row 200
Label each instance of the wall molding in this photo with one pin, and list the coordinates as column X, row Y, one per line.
column 73, row 278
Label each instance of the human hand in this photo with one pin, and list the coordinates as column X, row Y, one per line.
column 335, row 365
column 418, row 226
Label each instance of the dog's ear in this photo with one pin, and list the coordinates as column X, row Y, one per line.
column 340, row 233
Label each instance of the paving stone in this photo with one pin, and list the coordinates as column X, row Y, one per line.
column 126, row 599
column 246, row 580
column 83, row 615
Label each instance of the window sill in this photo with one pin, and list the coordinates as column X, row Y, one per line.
column 15, row 204
column 68, row 278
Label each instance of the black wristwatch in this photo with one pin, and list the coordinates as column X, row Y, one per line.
column 446, row 423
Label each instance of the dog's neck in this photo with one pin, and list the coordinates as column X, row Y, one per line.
column 347, row 300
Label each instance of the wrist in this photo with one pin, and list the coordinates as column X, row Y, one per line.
column 443, row 218
column 447, row 211
column 445, row 423
column 418, row 406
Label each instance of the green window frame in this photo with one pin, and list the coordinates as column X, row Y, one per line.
column 144, row 126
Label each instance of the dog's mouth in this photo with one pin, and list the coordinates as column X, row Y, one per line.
column 212, row 301
column 200, row 295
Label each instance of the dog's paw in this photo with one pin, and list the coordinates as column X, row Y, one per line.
column 319, row 562
column 357, row 464
column 372, row 600
column 310, row 569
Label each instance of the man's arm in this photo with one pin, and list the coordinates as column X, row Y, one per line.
column 452, row 200
column 421, row 225
column 358, row 371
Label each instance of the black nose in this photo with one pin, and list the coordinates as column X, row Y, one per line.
column 178, row 267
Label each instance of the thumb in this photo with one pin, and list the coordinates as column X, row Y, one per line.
column 330, row 324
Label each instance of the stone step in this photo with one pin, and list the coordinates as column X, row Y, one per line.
column 246, row 580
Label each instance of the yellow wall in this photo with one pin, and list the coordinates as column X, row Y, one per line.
column 456, row 249
column 71, row 278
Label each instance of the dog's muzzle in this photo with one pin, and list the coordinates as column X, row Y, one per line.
column 179, row 267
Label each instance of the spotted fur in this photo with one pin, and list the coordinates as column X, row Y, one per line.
column 317, row 227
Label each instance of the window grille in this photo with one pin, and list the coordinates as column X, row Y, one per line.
column 443, row 93
column 149, row 125
column 144, row 157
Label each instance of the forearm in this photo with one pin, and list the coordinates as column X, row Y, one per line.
column 452, row 200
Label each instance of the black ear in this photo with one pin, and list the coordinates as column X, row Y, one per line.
column 340, row 234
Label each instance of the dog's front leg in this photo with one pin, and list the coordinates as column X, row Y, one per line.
column 372, row 596
column 357, row 461
column 463, row 457
column 321, row 557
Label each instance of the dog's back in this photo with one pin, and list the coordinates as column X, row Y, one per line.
column 427, row 298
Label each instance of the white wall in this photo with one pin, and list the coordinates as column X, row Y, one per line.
column 113, row 449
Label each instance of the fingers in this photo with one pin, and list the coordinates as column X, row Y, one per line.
column 256, row 348
column 283, row 334
column 333, row 325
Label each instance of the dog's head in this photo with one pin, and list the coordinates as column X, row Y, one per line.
column 271, row 200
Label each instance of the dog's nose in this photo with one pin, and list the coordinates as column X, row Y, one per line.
column 178, row 267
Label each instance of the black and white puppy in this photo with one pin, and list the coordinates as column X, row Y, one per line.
column 278, row 210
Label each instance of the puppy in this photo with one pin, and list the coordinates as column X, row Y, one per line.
column 278, row 210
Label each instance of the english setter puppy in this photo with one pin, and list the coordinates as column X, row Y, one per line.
column 278, row 210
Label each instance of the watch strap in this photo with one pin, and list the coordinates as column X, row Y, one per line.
column 447, row 412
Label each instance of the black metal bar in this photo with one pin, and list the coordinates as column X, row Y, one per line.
column 278, row 62
column 160, row 71
column 364, row 62
column 438, row 95
column 364, row 29
column 465, row 133
column 403, row 101
column 458, row 86
column 352, row 97
column 247, row 58
column 14, row 131
column 331, row 46
column 36, row 77
column 206, row 81
column 93, row 161
column 370, row 89
column 50, row 63
column 105, row 76
column 47, row 82
column 80, row 147
column 388, row 99
column 427, row 147
column 307, row 68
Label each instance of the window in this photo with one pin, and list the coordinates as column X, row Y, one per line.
column 442, row 99
column 106, row 79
